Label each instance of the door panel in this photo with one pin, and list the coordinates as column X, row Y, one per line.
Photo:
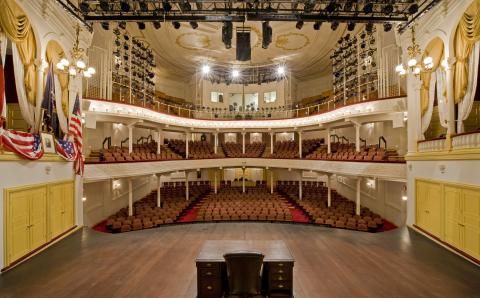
column 68, row 206
column 434, row 207
column 421, row 212
column 18, row 222
column 471, row 199
column 55, row 208
column 38, row 216
column 453, row 214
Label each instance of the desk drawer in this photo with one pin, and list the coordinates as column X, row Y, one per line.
column 211, row 265
column 276, row 266
column 280, row 285
column 279, row 277
column 206, row 273
column 209, row 290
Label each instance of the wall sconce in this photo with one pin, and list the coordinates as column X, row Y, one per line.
column 84, row 199
column 404, row 198
column 116, row 184
column 371, row 183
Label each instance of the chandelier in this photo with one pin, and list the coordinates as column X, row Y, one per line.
column 414, row 56
column 77, row 65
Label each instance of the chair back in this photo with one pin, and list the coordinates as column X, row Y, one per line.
column 244, row 272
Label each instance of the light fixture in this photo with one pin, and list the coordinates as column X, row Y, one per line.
column 266, row 34
column 141, row 25
column 78, row 66
column 334, row 25
column 413, row 9
column 166, row 6
column 84, row 7
column 156, row 25
column 413, row 64
column 122, row 25
column 369, row 27
column 205, row 69
column 104, row 5
column 84, row 199
column 143, row 6
column 317, row 25
column 193, row 24
column 235, row 73
column 105, row 26
column 176, row 25
column 404, row 198
column 281, row 70
column 124, row 6
column 368, row 8
column 299, row 24
column 387, row 27
column 351, row 26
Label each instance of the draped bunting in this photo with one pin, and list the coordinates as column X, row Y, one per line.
column 435, row 50
column 27, row 109
column 442, row 96
column 465, row 106
column 16, row 26
column 468, row 32
column 427, row 116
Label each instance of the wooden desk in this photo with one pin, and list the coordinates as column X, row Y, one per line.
column 277, row 275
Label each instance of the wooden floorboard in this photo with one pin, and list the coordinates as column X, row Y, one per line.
column 161, row 263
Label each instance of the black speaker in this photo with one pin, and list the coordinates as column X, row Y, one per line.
column 244, row 50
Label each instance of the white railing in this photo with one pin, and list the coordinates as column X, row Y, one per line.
column 466, row 141
column 432, row 145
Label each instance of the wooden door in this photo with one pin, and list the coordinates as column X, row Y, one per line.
column 471, row 201
column 68, row 206
column 55, row 210
column 18, row 225
column 38, row 216
column 434, row 207
column 421, row 204
column 453, row 214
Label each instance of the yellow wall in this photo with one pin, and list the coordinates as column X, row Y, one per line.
column 450, row 212
column 35, row 215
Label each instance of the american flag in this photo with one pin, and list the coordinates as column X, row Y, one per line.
column 2, row 91
column 24, row 144
column 66, row 149
column 49, row 108
column 75, row 130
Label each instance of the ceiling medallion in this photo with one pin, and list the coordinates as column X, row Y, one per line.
column 193, row 41
column 292, row 41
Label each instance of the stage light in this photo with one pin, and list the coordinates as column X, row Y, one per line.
column 387, row 9
column 122, row 25
column 156, row 25
column 235, row 73
column 267, row 34
column 387, row 27
column 125, row 6
column 299, row 24
column 227, row 30
column 141, row 25
column 335, row 25
column 351, row 26
column 185, row 5
column 317, row 25
column 194, row 25
column 205, row 69
column 368, row 8
column 105, row 26
column 167, row 6
column 348, row 6
column 309, row 6
column 369, row 27
column 413, row 9
column 104, row 5
column 143, row 6
column 84, row 7
column 331, row 7
column 176, row 25
column 281, row 70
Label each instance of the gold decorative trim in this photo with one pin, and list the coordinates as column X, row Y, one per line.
column 464, row 154
column 282, row 41
column 203, row 38
column 9, row 156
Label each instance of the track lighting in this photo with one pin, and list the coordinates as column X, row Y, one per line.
column 334, row 25
column 141, row 25
column 84, row 7
column 235, row 73
column 387, row 9
column 331, row 7
column 351, row 26
column 194, row 24
column 369, row 27
column 205, row 69
column 368, row 8
column 227, row 30
column 104, row 5
column 176, row 25
column 125, row 6
column 167, row 6
column 387, row 27
column 267, row 34
column 413, row 9
column 105, row 26
column 299, row 24
column 156, row 25
column 317, row 25
column 122, row 25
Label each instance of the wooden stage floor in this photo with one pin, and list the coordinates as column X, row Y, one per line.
column 161, row 263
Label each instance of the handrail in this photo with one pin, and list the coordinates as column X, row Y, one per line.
column 123, row 142
column 334, row 136
column 380, row 139
column 141, row 139
column 343, row 138
column 364, row 141
column 108, row 140
column 149, row 139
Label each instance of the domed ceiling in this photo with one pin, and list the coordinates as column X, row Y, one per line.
column 180, row 52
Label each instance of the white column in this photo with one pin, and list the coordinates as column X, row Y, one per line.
column 130, row 139
column 329, row 194
column 414, row 114
column 450, row 98
column 357, row 137
column 357, row 209
column 300, row 187
column 329, row 147
column 187, row 139
column 159, row 193
column 159, row 138
column 300, row 144
column 130, row 197
column 271, row 142
column 271, row 181
column 243, row 180
column 215, row 143
column 243, row 142
column 187, row 191
column 215, row 182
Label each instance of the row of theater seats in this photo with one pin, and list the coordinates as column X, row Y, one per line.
column 289, row 149
column 196, row 149
column 231, row 149
column 147, row 215
column 340, row 214
column 347, row 152
column 255, row 204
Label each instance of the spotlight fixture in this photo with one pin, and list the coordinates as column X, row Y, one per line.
column 331, row 7
column 84, row 7
column 348, row 6
column 104, row 5
column 235, row 73
column 194, row 25
column 309, row 6
column 317, row 25
column 267, row 34
column 387, row 9
column 387, row 27
column 143, row 6
column 227, row 30
column 141, row 25
column 369, row 27
column 299, row 24
column 351, row 26
column 185, row 5
column 281, row 70
column 176, row 25
column 122, row 25
column 166, row 6
column 205, row 69
column 413, row 9
column 125, row 6
column 334, row 25
column 105, row 26
column 368, row 8
column 156, row 25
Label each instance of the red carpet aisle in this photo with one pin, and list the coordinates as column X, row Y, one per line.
column 191, row 213
column 298, row 215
